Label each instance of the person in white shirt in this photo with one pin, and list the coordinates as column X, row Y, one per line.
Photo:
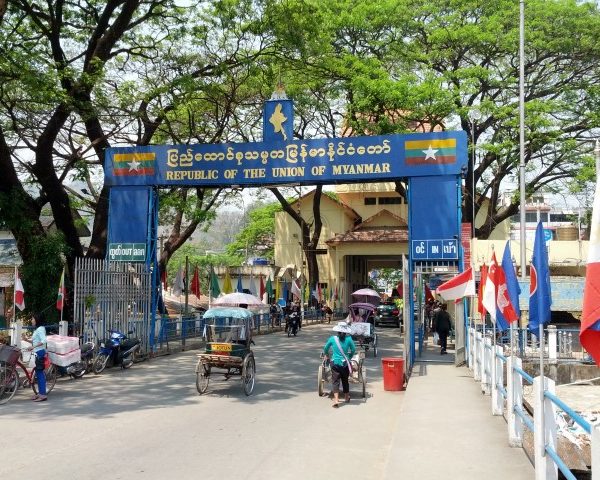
column 38, row 345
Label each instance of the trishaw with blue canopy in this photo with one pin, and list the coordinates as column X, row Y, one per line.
column 228, row 334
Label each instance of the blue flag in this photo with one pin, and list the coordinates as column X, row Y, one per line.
column 512, row 284
column 239, row 287
column 540, row 297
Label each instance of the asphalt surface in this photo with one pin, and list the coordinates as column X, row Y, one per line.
column 149, row 422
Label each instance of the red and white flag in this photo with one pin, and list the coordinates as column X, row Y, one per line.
column 19, row 292
column 482, row 282
column 463, row 285
column 296, row 289
column 590, row 317
column 495, row 296
column 489, row 290
column 62, row 292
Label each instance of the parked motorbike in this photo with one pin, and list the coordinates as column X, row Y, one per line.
column 293, row 324
column 85, row 365
column 118, row 349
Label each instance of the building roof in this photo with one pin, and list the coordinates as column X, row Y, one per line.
column 371, row 235
column 350, row 211
column 383, row 213
column 9, row 254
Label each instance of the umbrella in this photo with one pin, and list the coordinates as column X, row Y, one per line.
column 367, row 295
column 227, row 312
column 236, row 299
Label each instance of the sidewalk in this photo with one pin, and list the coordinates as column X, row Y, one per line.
column 446, row 429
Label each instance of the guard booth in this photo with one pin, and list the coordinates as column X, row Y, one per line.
column 432, row 163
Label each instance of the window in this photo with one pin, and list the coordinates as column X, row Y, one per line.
column 390, row 201
column 370, row 201
column 531, row 217
column 544, row 216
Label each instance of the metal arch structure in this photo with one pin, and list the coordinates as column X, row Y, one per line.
column 432, row 162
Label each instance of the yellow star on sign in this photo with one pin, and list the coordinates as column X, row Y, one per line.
column 277, row 120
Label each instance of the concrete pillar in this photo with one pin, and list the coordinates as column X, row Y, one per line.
column 552, row 344
column 15, row 333
column 596, row 451
column 514, row 384
column 478, row 360
column 63, row 328
column 497, row 380
column 544, row 430
column 486, row 375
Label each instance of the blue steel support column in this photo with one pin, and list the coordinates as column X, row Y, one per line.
column 461, row 262
column 411, row 306
column 152, row 262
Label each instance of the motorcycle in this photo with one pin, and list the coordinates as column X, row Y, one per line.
column 119, row 349
column 83, row 366
column 293, row 324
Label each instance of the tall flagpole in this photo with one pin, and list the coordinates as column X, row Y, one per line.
column 523, row 200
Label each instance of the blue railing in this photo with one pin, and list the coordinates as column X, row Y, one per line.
column 481, row 357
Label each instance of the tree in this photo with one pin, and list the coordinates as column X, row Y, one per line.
column 78, row 78
column 257, row 238
column 397, row 66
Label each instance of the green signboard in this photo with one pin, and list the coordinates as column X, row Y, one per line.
column 127, row 252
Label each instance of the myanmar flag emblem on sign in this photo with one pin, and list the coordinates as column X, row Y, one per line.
column 430, row 152
column 133, row 164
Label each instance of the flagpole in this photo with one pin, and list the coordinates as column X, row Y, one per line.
column 542, row 385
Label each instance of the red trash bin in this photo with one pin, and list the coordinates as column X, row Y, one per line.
column 393, row 373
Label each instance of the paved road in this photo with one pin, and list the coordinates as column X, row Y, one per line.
column 149, row 422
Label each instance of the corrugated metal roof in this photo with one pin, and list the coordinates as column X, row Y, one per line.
column 9, row 254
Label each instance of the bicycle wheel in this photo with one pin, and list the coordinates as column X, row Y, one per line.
column 202, row 378
column 248, row 374
column 9, row 383
column 51, row 376
column 100, row 363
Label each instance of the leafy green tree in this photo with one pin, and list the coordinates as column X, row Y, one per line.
column 397, row 66
column 257, row 238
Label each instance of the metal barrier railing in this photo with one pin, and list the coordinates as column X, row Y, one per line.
column 547, row 461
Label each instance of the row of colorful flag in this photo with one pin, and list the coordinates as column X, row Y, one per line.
column 19, row 293
column 180, row 284
column 499, row 291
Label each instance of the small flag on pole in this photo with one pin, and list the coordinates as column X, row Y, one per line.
column 195, row 287
column 19, row 292
column 540, row 297
column 462, row 285
column 590, row 317
column 296, row 289
column 62, row 292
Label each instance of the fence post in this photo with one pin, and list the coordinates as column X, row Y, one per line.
column 471, row 349
column 498, row 380
column 477, row 362
column 596, row 451
column 544, row 430
column 15, row 333
column 552, row 354
column 487, row 366
column 63, row 328
column 514, row 382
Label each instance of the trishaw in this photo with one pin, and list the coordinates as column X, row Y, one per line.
column 228, row 334
column 361, row 317
column 358, row 376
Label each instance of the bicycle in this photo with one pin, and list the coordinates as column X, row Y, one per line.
column 10, row 362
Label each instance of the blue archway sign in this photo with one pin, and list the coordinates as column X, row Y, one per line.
column 432, row 162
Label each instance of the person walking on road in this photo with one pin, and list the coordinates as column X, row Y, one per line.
column 342, row 349
column 38, row 345
column 442, row 325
